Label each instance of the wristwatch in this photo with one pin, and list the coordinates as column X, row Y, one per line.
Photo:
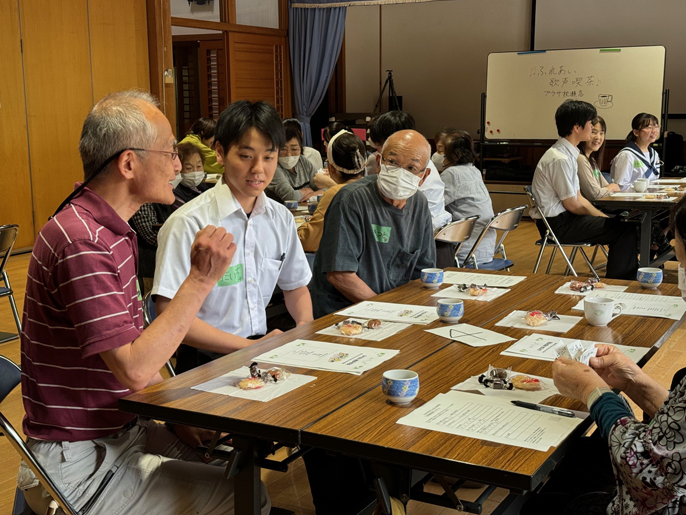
column 595, row 395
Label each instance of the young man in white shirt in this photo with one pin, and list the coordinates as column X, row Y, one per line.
column 572, row 217
column 248, row 139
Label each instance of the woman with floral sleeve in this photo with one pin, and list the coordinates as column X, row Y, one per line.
column 648, row 459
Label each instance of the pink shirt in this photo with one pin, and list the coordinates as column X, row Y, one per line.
column 81, row 299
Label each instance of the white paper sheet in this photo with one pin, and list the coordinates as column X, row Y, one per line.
column 502, row 281
column 402, row 313
column 453, row 293
column 516, row 319
column 565, row 290
column 382, row 332
column 333, row 357
column 228, row 385
column 627, row 194
column 470, row 335
column 542, row 346
column 473, row 384
column 670, row 181
column 491, row 419
column 659, row 306
column 668, row 199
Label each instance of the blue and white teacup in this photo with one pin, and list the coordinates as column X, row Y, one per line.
column 312, row 207
column 432, row 277
column 291, row 204
column 649, row 277
column 401, row 386
column 450, row 310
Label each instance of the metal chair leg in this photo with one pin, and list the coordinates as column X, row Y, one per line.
column 572, row 257
column 595, row 251
column 15, row 313
column 589, row 263
column 552, row 258
column 540, row 256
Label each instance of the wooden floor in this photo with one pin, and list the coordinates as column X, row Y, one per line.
column 291, row 490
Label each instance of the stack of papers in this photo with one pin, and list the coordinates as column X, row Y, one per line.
column 471, row 335
column 670, row 181
column 566, row 290
column 332, row 357
column 492, row 419
column 228, row 385
column 542, row 346
column 454, row 293
column 517, row 319
column 548, row 390
column 659, row 306
column 382, row 332
column 403, row 313
column 502, row 281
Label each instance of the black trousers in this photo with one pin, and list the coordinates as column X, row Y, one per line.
column 445, row 254
column 620, row 237
column 583, row 483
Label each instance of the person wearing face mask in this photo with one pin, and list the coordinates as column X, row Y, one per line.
column 438, row 156
column 466, row 194
column 295, row 177
column 201, row 134
column 346, row 165
column 638, row 159
column 309, row 153
column 432, row 188
column 636, row 466
column 192, row 174
column 591, row 182
column 377, row 231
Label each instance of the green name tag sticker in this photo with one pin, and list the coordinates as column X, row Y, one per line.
column 637, row 164
column 381, row 234
column 138, row 289
column 233, row 275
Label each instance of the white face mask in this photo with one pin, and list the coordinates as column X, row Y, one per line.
column 192, row 179
column 397, row 183
column 288, row 162
column 176, row 180
column 438, row 161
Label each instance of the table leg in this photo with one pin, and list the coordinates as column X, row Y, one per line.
column 646, row 228
column 247, row 483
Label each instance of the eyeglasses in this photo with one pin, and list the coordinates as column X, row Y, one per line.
column 651, row 128
column 174, row 153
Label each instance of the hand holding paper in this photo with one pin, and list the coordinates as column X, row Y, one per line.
column 575, row 351
column 575, row 380
column 615, row 368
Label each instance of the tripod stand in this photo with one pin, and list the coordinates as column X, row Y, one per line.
column 393, row 103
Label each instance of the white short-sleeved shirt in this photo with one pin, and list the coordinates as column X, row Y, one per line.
column 555, row 178
column 268, row 253
column 627, row 166
column 434, row 191
column 314, row 157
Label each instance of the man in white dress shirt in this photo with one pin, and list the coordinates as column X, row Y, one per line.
column 268, row 252
column 572, row 217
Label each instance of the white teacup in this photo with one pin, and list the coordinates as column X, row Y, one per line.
column 600, row 311
column 640, row 185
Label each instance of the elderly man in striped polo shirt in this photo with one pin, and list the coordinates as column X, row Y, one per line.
column 83, row 345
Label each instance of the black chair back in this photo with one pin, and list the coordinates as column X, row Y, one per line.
column 10, row 376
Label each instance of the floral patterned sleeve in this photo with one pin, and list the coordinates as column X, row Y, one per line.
column 650, row 460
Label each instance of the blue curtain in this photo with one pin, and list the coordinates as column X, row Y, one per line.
column 348, row 3
column 315, row 37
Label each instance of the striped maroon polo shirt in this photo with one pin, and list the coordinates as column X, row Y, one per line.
column 81, row 299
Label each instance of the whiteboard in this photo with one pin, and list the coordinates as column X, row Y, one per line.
column 524, row 89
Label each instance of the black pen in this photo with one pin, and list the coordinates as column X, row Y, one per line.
column 282, row 258
column 544, row 409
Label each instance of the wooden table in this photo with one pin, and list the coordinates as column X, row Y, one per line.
column 331, row 412
column 649, row 209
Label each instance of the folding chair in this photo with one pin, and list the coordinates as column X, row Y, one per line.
column 148, row 317
column 457, row 233
column 10, row 376
column 556, row 245
column 8, row 235
column 506, row 221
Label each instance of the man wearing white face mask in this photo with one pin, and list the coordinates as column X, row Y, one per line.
column 191, row 176
column 377, row 231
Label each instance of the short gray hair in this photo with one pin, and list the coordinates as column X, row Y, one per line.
column 116, row 122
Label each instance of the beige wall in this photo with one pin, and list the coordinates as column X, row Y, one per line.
column 438, row 54
column 438, row 50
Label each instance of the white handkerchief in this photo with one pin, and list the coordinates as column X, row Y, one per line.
column 471, row 335
column 566, row 290
column 454, row 293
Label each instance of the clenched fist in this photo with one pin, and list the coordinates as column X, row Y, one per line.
column 211, row 254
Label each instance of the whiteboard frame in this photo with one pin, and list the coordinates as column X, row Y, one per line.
column 500, row 141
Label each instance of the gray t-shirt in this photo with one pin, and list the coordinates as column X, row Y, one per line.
column 466, row 195
column 286, row 184
column 385, row 246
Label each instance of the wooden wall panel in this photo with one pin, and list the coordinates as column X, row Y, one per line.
column 16, row 205
column 119, row 46
column 57, row 74
column 259, row 70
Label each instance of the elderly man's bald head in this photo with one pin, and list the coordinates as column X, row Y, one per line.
column 407, row 149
